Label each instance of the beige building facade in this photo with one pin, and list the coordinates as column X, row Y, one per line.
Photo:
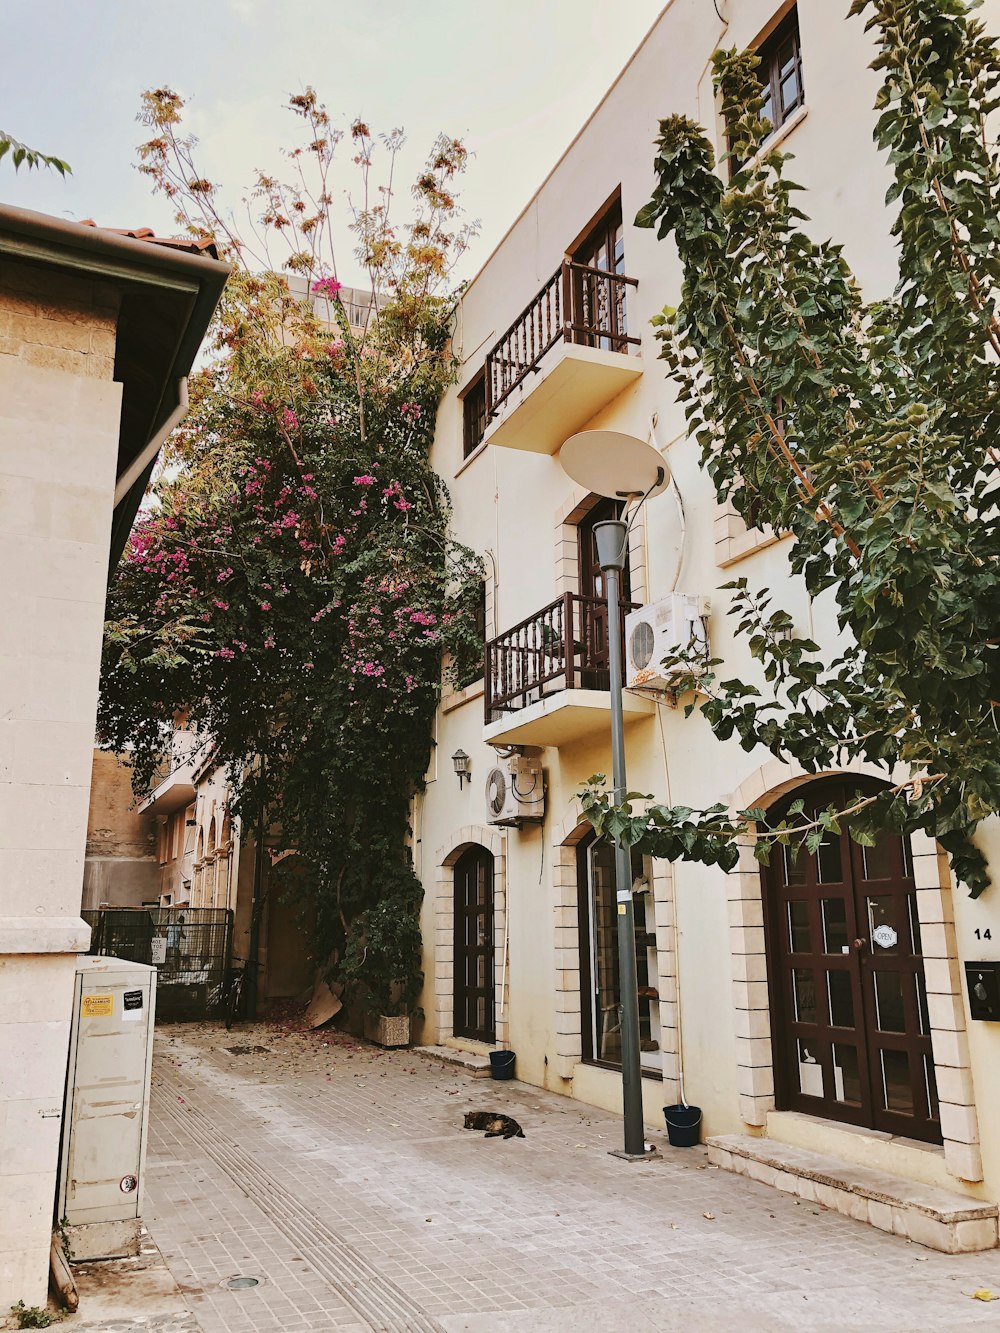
column 97, row 332
column 751, row 987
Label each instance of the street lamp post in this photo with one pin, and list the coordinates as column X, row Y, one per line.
column 612, row 540
column 625, row 468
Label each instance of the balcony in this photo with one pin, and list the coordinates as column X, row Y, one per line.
column 547, row 678
column 561, row 361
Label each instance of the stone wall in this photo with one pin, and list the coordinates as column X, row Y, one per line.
column 59, row 428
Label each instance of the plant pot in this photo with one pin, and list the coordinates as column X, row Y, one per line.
column 389, row 1030
column 502, row 1064
column 683, row 1125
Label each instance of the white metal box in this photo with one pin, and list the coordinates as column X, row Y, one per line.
column 107, row 1107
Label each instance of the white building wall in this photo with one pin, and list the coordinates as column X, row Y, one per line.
column 513, row 503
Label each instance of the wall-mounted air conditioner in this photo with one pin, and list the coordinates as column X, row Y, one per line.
column 515, row 791
column 660, row 630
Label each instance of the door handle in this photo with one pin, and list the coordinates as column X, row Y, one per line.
column 858, row 945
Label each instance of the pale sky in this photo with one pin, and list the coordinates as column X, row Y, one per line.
column 515, row 78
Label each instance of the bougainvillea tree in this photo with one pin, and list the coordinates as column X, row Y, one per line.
column 870, row 432
column 291, row 587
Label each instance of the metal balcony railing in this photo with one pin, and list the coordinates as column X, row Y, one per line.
column 563, row 646
column 579, row 304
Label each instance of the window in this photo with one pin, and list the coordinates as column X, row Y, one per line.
column 780, row 72
column 474, row 415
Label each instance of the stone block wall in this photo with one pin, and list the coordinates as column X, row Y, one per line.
column 59, row 427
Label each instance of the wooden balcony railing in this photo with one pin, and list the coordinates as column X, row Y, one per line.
column 563, row 646
column 578, row 304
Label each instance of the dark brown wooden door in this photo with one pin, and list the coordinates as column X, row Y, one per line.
column 592, row 631
column 474, row 994
column 850, row 1031
column 598, row 303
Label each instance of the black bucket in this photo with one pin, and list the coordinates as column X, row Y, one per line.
column 683, row 1125
column 502, row 1064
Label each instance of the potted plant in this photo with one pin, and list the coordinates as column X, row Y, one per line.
column 385, row 962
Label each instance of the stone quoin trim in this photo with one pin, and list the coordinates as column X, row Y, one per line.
column 495, row 842
column 942, row 973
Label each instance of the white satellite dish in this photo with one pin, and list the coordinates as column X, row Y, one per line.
column 608, row 462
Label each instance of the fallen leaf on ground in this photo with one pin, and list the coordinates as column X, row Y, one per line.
column 710, row 1216
column 984, row 1294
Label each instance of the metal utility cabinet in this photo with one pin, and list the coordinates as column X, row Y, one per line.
column 107, row 1107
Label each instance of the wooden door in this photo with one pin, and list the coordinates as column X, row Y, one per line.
column 850, row 1031
column 474, row 992
column 598, row 301
column 591, row 634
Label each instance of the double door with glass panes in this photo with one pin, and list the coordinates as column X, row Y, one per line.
column 599, row 970
column 850, row 1031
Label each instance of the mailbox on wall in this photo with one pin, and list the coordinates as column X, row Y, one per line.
column 983, row 983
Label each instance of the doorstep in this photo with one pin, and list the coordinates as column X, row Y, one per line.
column 937, row 1218
column 471, row 1063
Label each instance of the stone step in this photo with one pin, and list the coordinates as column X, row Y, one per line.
column 476, row 1066
column 937, row 1218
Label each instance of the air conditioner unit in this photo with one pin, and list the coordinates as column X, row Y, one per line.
column 658, row 631
column 515, row 791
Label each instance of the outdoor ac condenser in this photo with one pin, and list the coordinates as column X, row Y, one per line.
column 515, row 791
column 107, row 1107
column 659, row 630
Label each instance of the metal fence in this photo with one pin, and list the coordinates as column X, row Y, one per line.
column 188, row 946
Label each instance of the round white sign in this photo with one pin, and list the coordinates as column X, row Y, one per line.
column 884, row 936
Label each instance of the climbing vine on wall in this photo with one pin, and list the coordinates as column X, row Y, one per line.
column 291, row 586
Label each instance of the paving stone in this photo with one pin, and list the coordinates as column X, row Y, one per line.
column 324, row 1152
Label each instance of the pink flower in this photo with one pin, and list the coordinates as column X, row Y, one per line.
column 328, row 287
column 410, row 410
column 227, row 653
column 265, row 606
column 290, row 419
column 335, row 349
column 223, row 606
column 403, row 505
column 269, row 641
column 364, row 480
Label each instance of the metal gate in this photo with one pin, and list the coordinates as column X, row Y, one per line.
column 188, row 946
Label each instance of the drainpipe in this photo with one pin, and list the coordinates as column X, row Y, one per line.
column 138, row 465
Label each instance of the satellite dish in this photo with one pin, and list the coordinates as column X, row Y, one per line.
column 607, row 462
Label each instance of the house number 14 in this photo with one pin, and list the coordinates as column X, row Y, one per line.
column 983, row 934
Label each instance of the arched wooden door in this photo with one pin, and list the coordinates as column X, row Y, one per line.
column 474, row 995
column 850, row 1031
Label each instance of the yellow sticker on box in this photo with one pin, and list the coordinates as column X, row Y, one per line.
column 98, row 1006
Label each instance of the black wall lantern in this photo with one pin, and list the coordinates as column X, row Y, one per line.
column 463, row 766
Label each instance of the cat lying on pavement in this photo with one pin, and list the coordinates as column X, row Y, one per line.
column 495, row 1124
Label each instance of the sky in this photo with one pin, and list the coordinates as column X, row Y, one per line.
column 515, row 78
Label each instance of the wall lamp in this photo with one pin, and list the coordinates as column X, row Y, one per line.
column 463, row 766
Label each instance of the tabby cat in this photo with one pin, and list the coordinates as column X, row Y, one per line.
column 495, row 1124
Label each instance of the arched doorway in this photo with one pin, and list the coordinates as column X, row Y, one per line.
column 475, row 1015
column 850, row 1027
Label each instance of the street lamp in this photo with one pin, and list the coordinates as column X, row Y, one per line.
column 625, row 468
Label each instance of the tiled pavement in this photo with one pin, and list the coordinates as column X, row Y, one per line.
column 341, row 1177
